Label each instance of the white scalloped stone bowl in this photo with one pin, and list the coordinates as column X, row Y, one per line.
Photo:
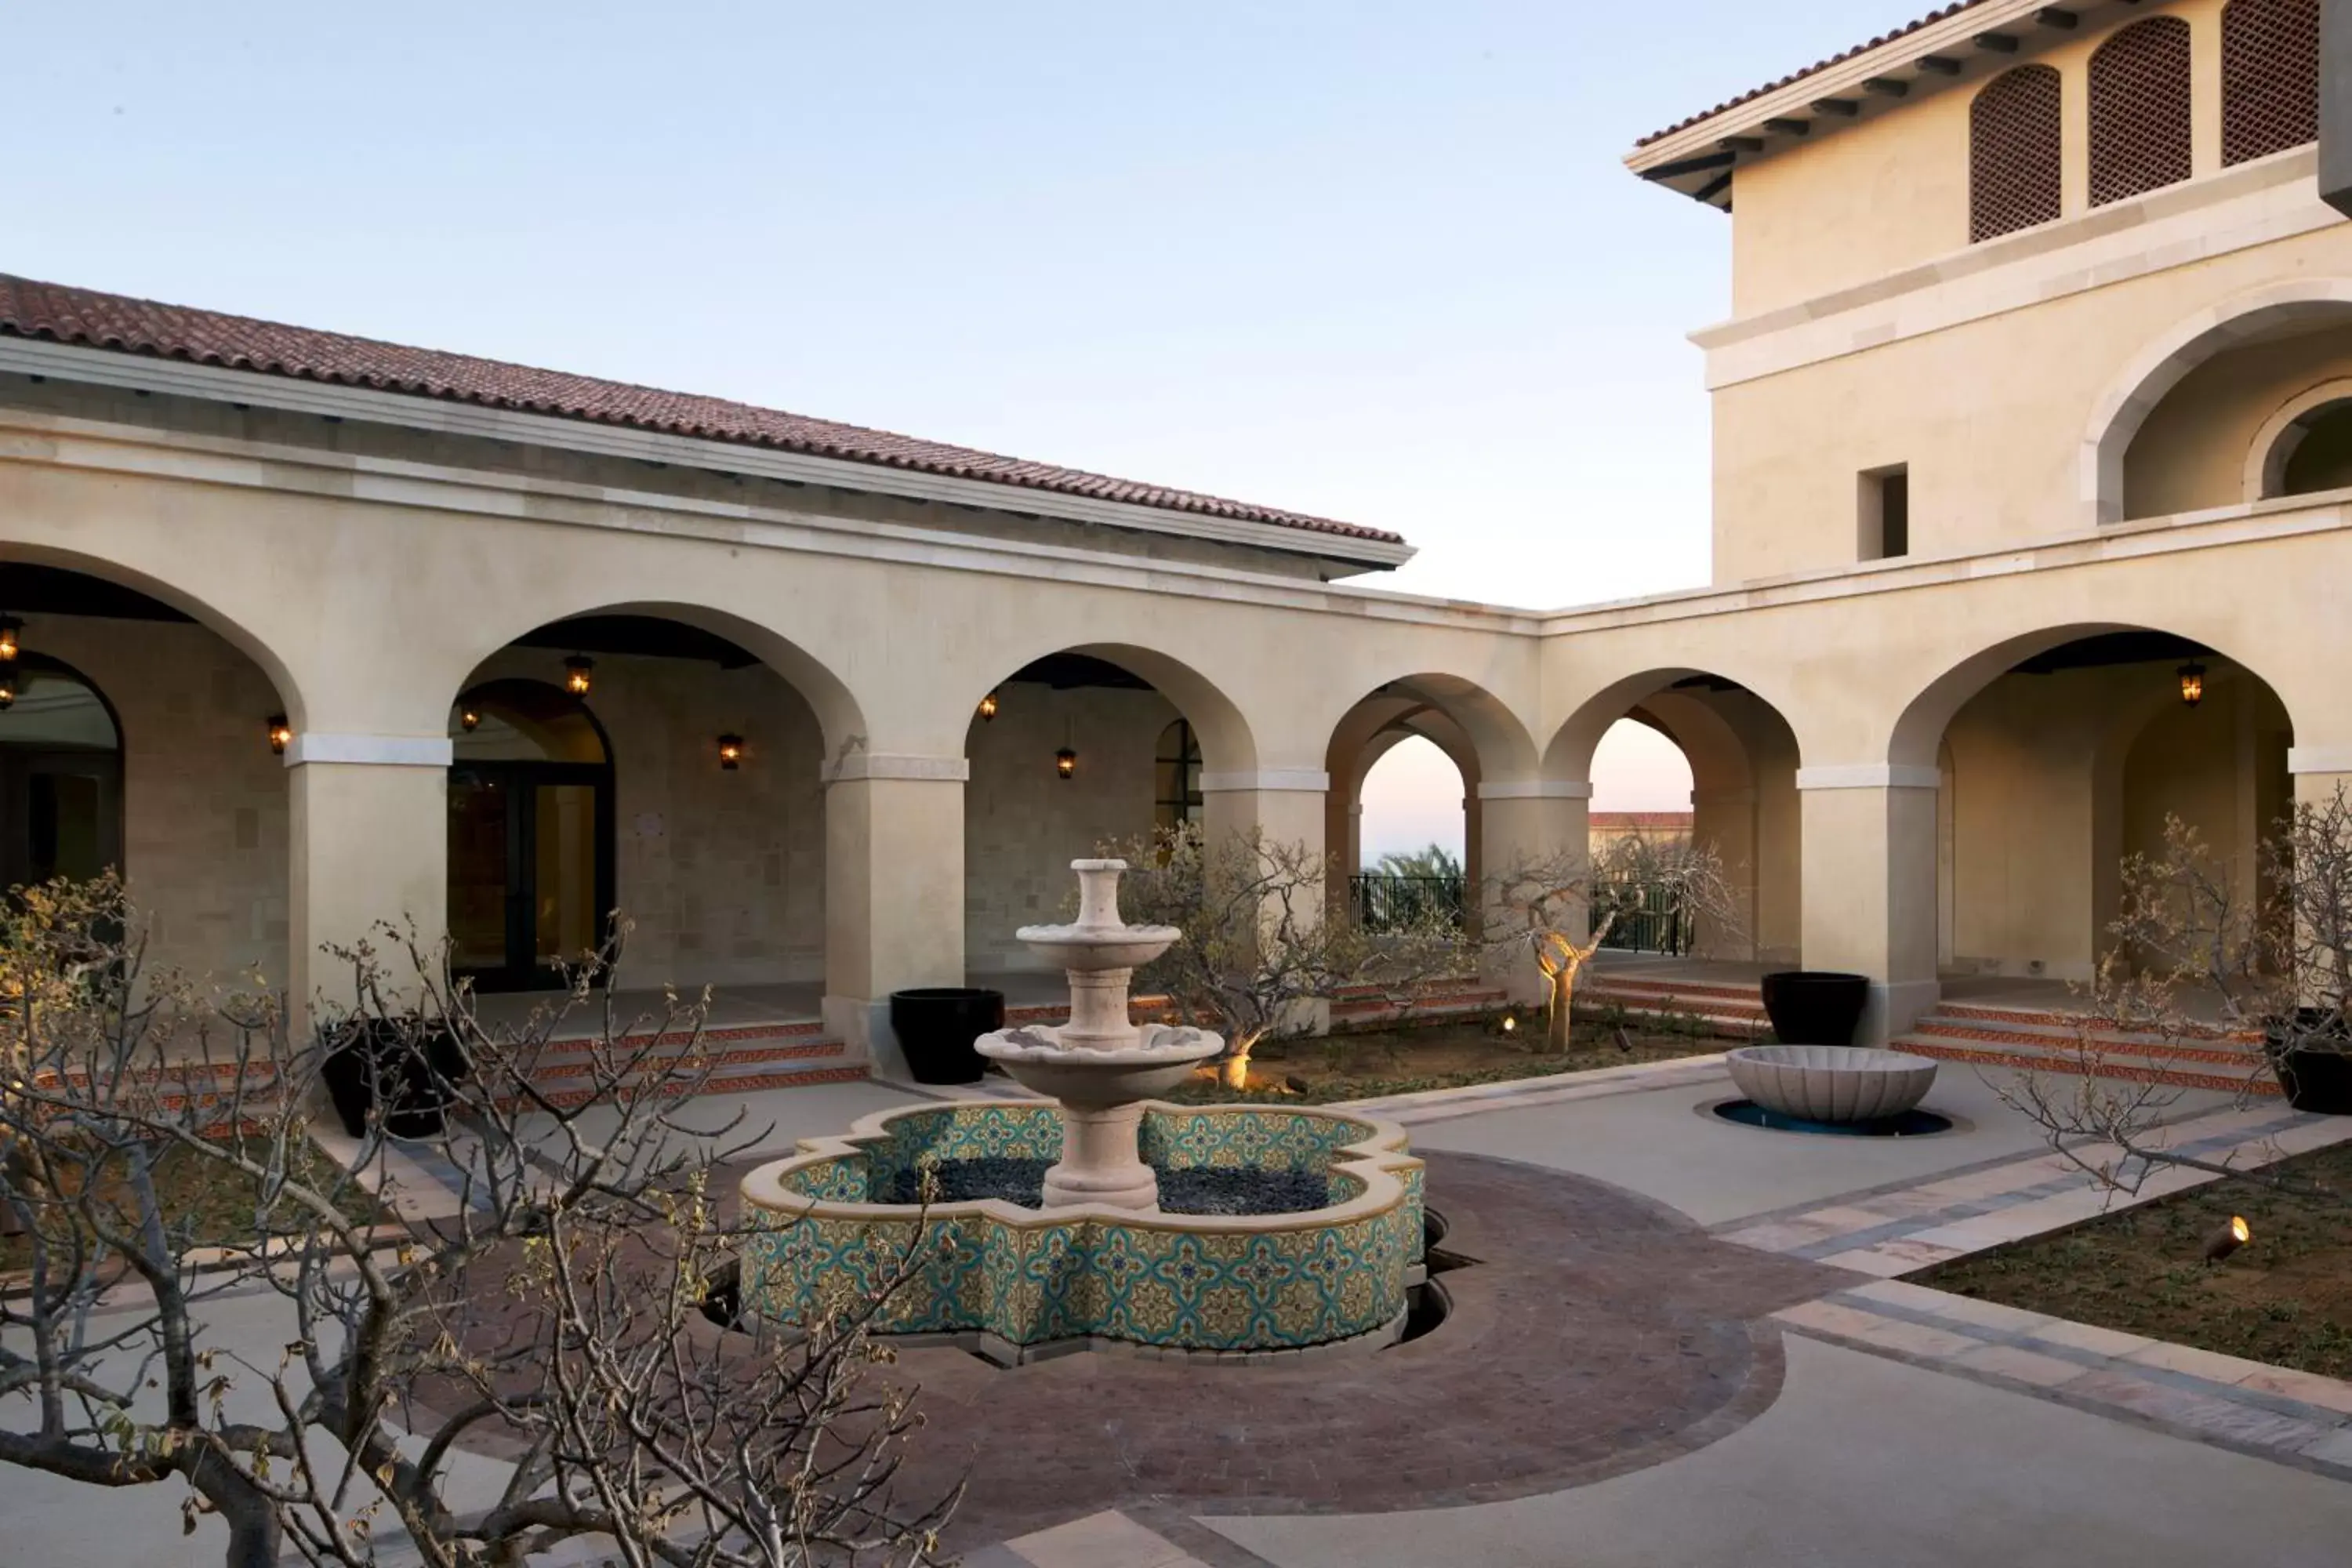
column 1831, row 1083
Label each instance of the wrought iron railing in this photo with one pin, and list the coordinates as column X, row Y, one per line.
column 1386, row 902
column 1648, row 919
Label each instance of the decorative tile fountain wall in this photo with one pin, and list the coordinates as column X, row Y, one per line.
column 1100, row 1262
column 1025, row 1279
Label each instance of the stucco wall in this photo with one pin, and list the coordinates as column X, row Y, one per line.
column 204, row 799
column 2052, row 779
column 2194, row 449
column 722, row 873
column 1990, row 416
column 1891, row 191
column 1024, row 823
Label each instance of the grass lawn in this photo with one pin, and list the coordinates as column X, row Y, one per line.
column 2285, row 1297
column 211, row 1205
column 1360, row 1065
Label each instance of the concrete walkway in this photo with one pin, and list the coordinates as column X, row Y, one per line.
column 1912, row 1427
column 1908, row 1426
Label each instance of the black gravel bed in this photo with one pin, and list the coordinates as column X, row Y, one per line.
column 1195, row 1189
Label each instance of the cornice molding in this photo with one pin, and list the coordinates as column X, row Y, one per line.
column 369, row 750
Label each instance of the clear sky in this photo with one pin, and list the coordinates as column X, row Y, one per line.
column 1377, row 261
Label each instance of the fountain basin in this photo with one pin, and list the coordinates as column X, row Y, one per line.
column 1831, row 1083
column 1163, row 1056
column 1014, row 1282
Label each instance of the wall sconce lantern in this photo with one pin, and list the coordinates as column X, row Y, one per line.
column 730, row 753
column 1066, row 763
column 988, row 707
column 7, row 686
column 469, row 717
column 9, row 647
column 281, row 733
column 576, row 679
column 2192, row 683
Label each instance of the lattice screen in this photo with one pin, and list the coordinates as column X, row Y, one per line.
column 2014, row 152
column 2269, row 76
column 2140, row 109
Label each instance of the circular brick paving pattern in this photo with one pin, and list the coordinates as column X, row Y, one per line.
column 1596, row 1332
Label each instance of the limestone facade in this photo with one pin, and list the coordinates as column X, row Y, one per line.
column 2097, row 418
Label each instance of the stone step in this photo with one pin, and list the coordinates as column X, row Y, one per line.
column 1601, row 976
column 2022, row 1055
column 2065, row 1021
column 739, row 1082
column 2060, row 1037
column 723, row 1065
column 1714, row 1002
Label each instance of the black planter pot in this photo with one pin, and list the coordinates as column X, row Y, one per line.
column 936, row 1026
column 1815, row 1007
column 411, row 1068
column 2314, row 1077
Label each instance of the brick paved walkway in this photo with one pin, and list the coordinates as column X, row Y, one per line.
column 1598, row 1332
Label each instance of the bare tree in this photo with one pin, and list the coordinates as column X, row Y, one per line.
column 1558, row 911
column 2265, row 950
column 548, row 1308
column 1261, row 946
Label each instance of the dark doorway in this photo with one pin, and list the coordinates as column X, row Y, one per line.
column 530, row 835
column 61, row 778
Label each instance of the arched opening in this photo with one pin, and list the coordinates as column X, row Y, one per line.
column 2305, row 446
column 2247, row 408
column 1076, row 750
column 1741, row 803
column 2059, row 754
column 1643, row 790
column 1177, row 800
column 140, row 739
column 588, row 776
column 531, row 832
column 1411, row 831
column 60, row 774
column 1411, row 766
column 2318, row 456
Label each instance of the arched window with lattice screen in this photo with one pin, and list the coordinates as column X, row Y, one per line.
column 2014, row 152
column 2269, row 76
column 2140, row 109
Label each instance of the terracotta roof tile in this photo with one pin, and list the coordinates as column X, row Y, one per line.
column 59, row 314
column 1928, row 20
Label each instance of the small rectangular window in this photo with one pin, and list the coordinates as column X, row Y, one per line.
column 1885, row 498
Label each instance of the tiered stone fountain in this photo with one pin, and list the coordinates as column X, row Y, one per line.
column 1094, row 1259
column 1099, row 1065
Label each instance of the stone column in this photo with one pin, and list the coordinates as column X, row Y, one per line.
column 1526, row 823
column 893, row 876
column 370, row 831
column 1726, row 819
column 1870, row 885
column 1285, row 805
column 2319, row 772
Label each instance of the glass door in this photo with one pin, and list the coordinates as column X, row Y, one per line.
column 530, row 869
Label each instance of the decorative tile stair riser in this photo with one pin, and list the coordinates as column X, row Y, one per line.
column 1998, row 1038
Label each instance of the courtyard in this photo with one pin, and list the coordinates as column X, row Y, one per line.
column 1670, row 1339
column 1722, row 946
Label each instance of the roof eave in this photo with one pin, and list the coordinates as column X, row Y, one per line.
column 219, row 384
column 1794, row 111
